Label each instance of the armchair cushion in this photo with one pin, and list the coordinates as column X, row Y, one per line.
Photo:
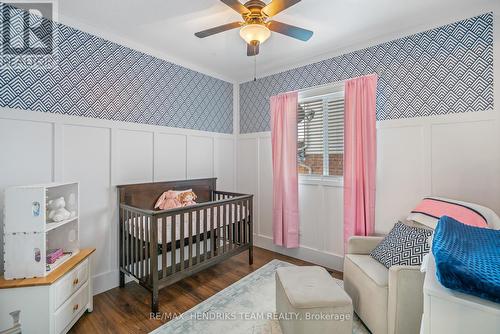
column 366, row 282
column 362, row 245
column 373, row 269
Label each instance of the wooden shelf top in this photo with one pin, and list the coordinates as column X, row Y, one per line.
column 59, row 272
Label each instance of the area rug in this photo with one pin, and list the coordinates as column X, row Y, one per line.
column 247, row 306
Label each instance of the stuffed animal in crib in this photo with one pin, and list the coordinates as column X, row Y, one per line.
column 57, row 210
column 187, row 198
column 168, row 200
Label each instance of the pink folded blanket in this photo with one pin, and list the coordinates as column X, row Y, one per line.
column 437, row 208
column 53, row 255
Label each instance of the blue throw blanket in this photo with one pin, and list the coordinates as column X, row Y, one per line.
column 467, row 258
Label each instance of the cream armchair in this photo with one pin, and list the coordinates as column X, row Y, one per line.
column 388, row 301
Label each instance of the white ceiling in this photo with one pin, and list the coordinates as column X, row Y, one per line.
column 165, row 28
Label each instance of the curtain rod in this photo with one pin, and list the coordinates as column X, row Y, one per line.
column 332, row 84
column 327, row 85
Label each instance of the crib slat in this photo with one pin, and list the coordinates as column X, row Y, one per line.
column 132, row 245
column 237, row 224
column 173, row 222
column 219, row 234
column 127, row 243
column 122, row 230
column 241, row 222
column 244, row 224
column 212, row 232
column 141, row 251
column 148, row 238
column 224, row 227
column 136, row 248
column 247, row 203
column 133, row 248
column 230, row 226
column 198, row 236
column 153, row 250
column 164, row 252
column 205, row 218
column 250, row 231
column 181, row 241
column 190, row 233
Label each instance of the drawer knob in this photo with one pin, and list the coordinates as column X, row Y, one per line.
column 75, row 281
column 75, row 307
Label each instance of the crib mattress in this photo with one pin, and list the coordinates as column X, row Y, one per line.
column 198, row 218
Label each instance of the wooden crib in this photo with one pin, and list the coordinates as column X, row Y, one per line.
column 159, row 248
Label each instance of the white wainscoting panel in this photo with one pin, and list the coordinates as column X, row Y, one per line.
column 100, row 154
column 465, row 162
column 402, row 172
column 135, row 156
column 247, row 154
column 311, row 215
column 200, row 157
column 265, row 186
column 87, row 161
column 170, row 157
column 332, row 230
column 27, row 155
column 224, row 163
column 27, row 151
column 248, row 159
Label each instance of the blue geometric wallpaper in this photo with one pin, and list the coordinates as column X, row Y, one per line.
column 440, row 71
column 100, row 79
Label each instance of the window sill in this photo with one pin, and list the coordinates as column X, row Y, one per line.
column 331, row 181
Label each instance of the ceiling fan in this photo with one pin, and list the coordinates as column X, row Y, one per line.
column 256, row 26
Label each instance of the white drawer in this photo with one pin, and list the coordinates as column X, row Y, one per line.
column 71, row 282
column 72, row 308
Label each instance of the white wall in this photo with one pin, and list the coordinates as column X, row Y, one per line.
column 100, row 154
column 455, row 156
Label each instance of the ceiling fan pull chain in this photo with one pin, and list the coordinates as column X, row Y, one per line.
column 255, row 68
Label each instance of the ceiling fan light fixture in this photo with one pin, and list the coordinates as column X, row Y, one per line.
column 255, row 32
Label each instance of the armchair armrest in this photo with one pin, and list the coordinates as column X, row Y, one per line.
column 406, row 299
column 362, row 245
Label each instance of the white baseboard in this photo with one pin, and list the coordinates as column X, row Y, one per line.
column 105, row 281
column 322, row 258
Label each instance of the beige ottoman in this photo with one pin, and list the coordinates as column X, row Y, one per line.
column 309, row 301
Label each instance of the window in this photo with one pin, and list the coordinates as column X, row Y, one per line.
column 321, row 134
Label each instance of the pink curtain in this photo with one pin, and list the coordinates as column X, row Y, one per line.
column 285, row 174
column 359, row 156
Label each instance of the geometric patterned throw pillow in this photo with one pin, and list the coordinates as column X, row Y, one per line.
column 404, row 245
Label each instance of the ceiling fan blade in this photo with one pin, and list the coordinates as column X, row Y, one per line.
column 277, row 6
column 253, row 49
column 216, row 30
column 237, row 6
column 289, row 30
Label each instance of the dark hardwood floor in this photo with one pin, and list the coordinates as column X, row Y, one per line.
column 127, row 310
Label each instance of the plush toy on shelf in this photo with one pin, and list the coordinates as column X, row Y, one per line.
column 57, row 210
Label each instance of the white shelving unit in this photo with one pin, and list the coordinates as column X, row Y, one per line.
column 29, row 233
